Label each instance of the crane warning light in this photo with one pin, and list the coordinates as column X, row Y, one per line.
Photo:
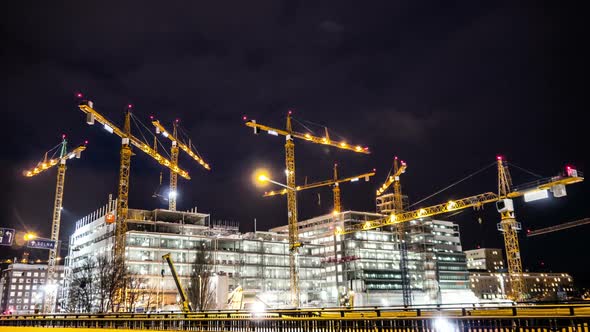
column 177, row 120
column 499, row 157
column 570, row 171
column 110, row 218
column 374, row 170
column 290, row 112
column 63, row 136
column 151, row 117
column 85, row 142
column 79, row 95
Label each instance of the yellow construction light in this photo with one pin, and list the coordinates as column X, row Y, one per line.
column 358, row 148
column 392, row 218
column 343, row 144
column 335, row 212
column 451, row 205
column 422, row 212
column 262, row 178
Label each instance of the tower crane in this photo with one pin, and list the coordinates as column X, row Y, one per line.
column 47, row 163
column 334, row 182
column 290, row 134
column 127, row 140
column 393, row 203
column 176, row 144
column 504, row 205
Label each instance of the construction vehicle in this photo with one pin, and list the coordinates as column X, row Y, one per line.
column 45, row 164
column 290, row 134
column 334, row 182
column 505, row 206
column 186, row 306
column 174, row 149
column 127, row 140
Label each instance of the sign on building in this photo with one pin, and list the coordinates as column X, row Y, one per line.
column 41, row 244
column 7, row 236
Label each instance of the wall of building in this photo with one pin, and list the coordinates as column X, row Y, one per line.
column 23, row 287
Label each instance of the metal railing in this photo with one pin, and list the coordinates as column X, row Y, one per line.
column 568, row 317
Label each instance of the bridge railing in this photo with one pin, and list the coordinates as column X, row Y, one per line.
column 570, row 317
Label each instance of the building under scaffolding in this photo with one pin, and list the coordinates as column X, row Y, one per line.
column 367, row 263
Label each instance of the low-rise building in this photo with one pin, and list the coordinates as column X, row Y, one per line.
column 537, row 286
column 23, row 287
column 485, row 259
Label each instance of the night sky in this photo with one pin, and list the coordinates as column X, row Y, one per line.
column 444, row 85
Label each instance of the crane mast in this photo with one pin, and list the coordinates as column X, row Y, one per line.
column 509, row 227
column 294, row 243
column 336, row 191
column 173, row 176
column 398, row 207
column 123, row 190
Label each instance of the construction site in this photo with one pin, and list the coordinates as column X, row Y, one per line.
column 396, row 255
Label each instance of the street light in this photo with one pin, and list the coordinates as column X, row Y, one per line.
column 30, row 236
column 263, row 177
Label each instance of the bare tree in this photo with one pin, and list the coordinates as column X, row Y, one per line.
column 111, row 274
column 200, row 291
column 135, row 290
column 81, row 293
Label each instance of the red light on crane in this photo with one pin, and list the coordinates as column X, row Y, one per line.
column 244, row 118
column 79, row 95
column 129, row 106
column 85, row 142
column 63, row 136
column 499, row 157
column 290, row 112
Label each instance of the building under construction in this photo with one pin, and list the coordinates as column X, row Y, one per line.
column 366, row 263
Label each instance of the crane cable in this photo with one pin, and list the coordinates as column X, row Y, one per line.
column 454, row 184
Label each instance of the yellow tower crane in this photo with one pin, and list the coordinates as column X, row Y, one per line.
column 47, row 163
column 335, row 183
column 127, row 140
column 393, row 203
column 504, row 205
column 290, row 134
column 176, row 144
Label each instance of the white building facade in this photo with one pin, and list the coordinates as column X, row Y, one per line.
column 366, row 263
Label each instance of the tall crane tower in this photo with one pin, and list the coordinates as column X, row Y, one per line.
column 290, row 134
column 174, row 150
column 127, row 140
column 393, row 203
column 504, row 205
column 334, row 182
column 60, row 160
